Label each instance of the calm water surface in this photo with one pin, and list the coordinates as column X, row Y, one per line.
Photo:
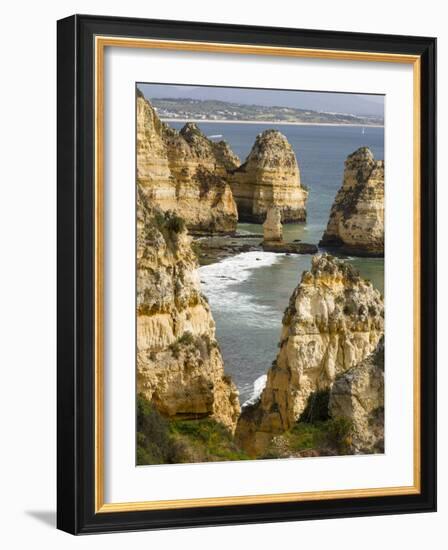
column 249, row 292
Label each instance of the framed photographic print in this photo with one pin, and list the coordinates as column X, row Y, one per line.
column 246, row 274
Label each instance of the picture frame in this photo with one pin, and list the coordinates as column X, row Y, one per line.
column 82, row 42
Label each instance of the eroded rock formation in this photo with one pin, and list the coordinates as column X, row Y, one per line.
column 269, row 177
column 272, row 227
column 179, row 364
column 185, row 172
column 358, row 395
column 356, row 223
column 333, row 321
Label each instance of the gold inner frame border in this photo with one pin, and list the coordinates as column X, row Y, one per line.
column 101, row 42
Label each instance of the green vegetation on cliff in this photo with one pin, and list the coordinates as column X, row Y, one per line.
column 321, row 438
column 163, row 441
column 168, row 441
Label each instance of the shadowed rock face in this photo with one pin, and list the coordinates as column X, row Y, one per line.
column 179, row 364
column 356, row 223
column 358, row 395
column 185, row 172
column 270, row 177
column 334, row 320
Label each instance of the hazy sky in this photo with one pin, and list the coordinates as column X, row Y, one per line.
column 357, row 104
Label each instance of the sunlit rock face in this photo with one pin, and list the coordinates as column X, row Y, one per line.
column 179, row 363
column 334, row 320
column 270, row 177
column 272, row 227
column 185, row 172
column 356, row 223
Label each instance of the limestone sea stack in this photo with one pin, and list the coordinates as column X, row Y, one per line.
column 179, row 363
column 185, row 172
column 358, row 395
column 270, row 177
column 272, row 227
column 356, row 224
column 334, row 320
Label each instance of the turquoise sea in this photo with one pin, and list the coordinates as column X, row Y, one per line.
column 249, row 292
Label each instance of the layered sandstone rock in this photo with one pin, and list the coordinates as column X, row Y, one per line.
column 333, row 321
column 356, row 223
column 270, row 177
column 185, row 172
column 358, row 395
column 179, row 364
column 272, row 227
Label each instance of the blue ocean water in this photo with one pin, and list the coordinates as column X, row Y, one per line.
column 248, row 293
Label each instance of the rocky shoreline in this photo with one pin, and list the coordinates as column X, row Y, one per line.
column 215, row 248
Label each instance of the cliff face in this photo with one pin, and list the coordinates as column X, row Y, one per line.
column 356, row 221
column 333, row 321
column 185, row 172
column 179, row 364
column 270, row 177
column 358, row 395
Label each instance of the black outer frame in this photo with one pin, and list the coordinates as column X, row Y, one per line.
column 75, row 310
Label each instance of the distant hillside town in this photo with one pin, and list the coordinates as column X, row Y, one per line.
column 209, row 110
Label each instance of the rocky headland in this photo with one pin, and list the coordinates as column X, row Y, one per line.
column 270, row 177
column 356, row 223
column 185, row 172
column 179, row 364
column 334, row 320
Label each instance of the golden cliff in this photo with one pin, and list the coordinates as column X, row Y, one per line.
column 269, row 177
column 356, row 223
column 333, row 321
column 179, row 364
column 185, row 172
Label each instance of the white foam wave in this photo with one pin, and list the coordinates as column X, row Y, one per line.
column 220, row 282
column 236, row 268
column 259, row 385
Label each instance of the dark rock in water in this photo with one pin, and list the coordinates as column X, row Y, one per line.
column 247, row 236
column 290, row 248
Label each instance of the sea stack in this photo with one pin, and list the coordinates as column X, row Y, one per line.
column 270, row 177
column 356, row 223
column 185, row 172
column 179, row 365
column 334, row 320
column 272, row 227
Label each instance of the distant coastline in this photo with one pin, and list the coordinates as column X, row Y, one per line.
column 279, row 123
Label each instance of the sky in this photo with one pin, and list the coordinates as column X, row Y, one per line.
column 333, row 102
